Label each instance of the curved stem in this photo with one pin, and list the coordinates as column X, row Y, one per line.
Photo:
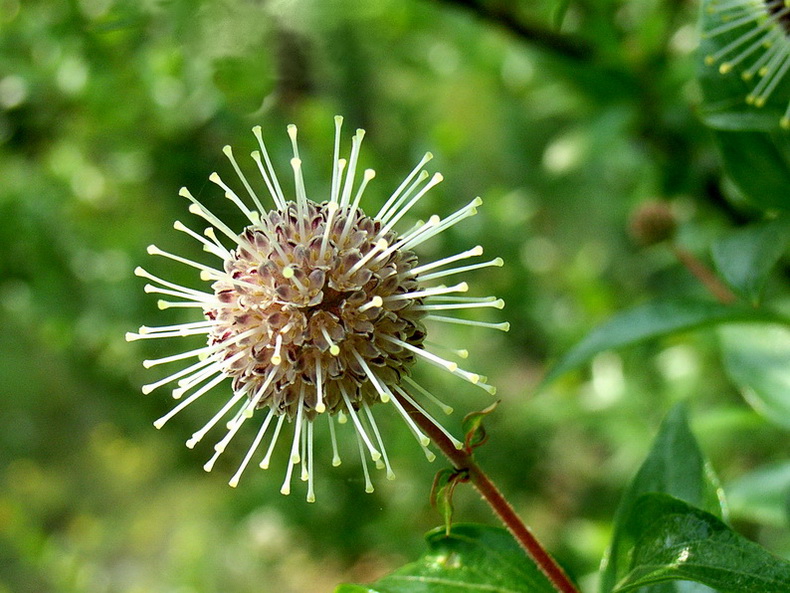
column 463, row 460
column 715, row 286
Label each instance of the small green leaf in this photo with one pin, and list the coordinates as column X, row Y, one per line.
column 676, row 466
column 757, row 359
column 649, row 321
column 472, row 426
column 473, row 558
column 442, row 491
column 672, row 540
column 745, row 257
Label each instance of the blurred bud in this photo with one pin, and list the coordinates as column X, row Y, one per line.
column 652, row 223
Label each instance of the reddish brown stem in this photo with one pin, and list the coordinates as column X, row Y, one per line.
column 715, row 286
column 463, row 460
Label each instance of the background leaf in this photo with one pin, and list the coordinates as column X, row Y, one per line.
column 676, row 466
column 472, row 558
column 762, row 495
column 757, row 359
column 674, row 540
column 651, row 320
column 745, row 257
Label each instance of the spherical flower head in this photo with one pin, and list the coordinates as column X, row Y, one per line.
column 316, row 310
column 756, row 44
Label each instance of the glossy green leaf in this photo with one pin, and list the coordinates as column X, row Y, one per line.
column 649, row 321
column 442, row 492
column 672, row 540
column 761, row 495
column 473, row 558
column 675, row 466
column 745, row 257
column 473, row 429
column 758, row 163
column 757, row 359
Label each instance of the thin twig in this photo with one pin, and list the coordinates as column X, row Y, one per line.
column 463, row 460
column 566, row 45
column 715, row 286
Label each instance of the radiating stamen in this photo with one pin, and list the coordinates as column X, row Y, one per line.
column 231, row 195
column 320, row 407
column 497, row 262
column 479, row 304
column 274, row 186
column 142, row 273
column 376, row 301
column 404, row 197
column 234, row 481
column 428, row 395
column 334, row 349
column 375, row 428
column 456, row 443
column 379, row 387
column 264, row 464
column 160, row 422
column 209, row 246
column 351, row 214
column 380, row 245
column 331, row 209
column 146, row 389
column 435, row 180
column 303, row 452
column 356, row 142
column 469, row 210
column 368, row 483
column 229, row 153
column 504, row 326
column 474, row 252
column 198, row 436
column 433, row 291
column 423, row 440
column 335, row 455
column 276, row 358
column 200, row 351
column 333, row 194
column 374, row 454
column 383, row 212
column 310, row 457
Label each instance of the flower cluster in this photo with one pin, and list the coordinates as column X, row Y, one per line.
column 316, row 311
column 760, row 45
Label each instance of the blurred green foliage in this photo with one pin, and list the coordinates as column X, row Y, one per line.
column 564, row 126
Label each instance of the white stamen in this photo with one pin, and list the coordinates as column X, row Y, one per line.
column 209, row 246
column 374, row 426
column 474, row 252
column 482, row 303
column 276, row 358
column 427, row 292
column 428, row 395
column 159, row 423
column 374, row 454
column 356, row 142
column 334, row 349
column 418, row 434
column 231, row 195
column 333, row 194
column 380, row 245
column 335, row 455
column 310, row 456
column 376, row 301
column 497, row 262
column 146, row 389
column 435, row 180
column 403, row 198
column 504, row 326
column 380, row 216
column 274, row 186
column 234, row 481
column 368, row 483
column 320, row 407
column 456, row 443
column 229, row 153
column 382, row 389
column 264, row 464
column 198, row 436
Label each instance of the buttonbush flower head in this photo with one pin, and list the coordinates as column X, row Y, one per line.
column 757, row 44
column 315, row 312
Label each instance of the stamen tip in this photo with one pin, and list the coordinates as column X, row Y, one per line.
column 159, row 423
column 334, row 350
column 369, row 489
column 131, row 337
column 295, row 458
column 192, row 442
column 375, row 455
column 227, row 150
column 380, row 464
column 296, row 163
column 152, row 250
column 477, row 250
column 310, row 498
column 233, row 482
column 425, row 441
column 214, row 177
column 390, row 475
column 430, row 456
column 288, row 272
column 209, row 465
column 320, row 408
column 336, row 461
column 285, row 490
column 338, row 120
column 146, row 389
column 499, row 262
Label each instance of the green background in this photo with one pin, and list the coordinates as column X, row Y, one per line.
column 563, row 116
